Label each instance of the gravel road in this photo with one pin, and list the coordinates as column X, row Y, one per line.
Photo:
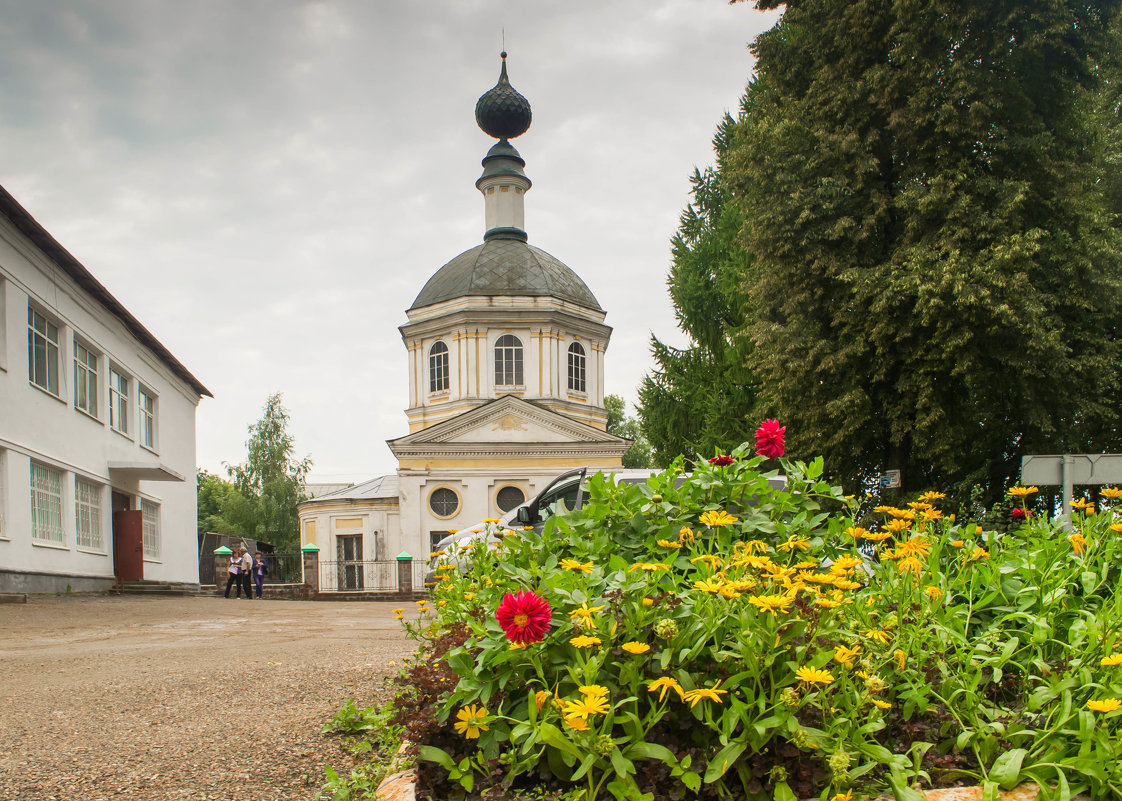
column 182, row 698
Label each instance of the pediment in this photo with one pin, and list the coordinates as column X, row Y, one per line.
column 506, row 420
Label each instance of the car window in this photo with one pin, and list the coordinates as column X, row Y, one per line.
column 559, row 500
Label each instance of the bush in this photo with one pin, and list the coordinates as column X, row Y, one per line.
column 708, row 636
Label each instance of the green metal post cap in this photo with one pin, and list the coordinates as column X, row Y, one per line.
column 310, row 548
column 222, row 549
column 401, row 557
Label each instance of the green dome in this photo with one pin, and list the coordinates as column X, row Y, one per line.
column 505, row 265
column 502, row 112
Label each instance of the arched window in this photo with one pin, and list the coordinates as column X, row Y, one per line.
column 576, row 367
column 438, row 367
column 508, row 361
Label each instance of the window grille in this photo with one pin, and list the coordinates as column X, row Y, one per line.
column 576, row 368
column 150, row 518
column 46, row 503
column 508, row 361
column 444, row 502
column 438, row 367
column 509, row 497
column 87, row 511
column 42, row 351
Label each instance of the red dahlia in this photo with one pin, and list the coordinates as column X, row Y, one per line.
column 721, row 460
column 1019, row 513
column 524, row 617
column 769, row 439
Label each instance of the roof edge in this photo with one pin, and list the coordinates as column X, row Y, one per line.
column 27, row 225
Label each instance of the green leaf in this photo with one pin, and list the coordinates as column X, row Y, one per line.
column 622, row 764
column 551, row 735
column 783, row 792
column 723, row 760
column 645, row 750
column 1006, row 767
column 437, row 755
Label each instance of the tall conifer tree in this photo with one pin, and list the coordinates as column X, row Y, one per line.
column 936, row 280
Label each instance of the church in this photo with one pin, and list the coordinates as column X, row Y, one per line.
column 506, row 348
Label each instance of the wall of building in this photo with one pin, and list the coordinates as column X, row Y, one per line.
column 49, row 430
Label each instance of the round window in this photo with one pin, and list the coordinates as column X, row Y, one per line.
column 509, row 497
column 444, row 502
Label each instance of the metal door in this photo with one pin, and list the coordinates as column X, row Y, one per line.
column 349, row 552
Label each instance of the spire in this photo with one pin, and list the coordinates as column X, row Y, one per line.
column 504, row 114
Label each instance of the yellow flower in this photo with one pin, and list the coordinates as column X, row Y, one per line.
column 879, row 536
column 901, row 659
column 636, row 647
column 931, row 515
column 593, row 690
column 648, row 566
column 469, row 721
column 519, row 646
column 916, row 546
column 584, row 641
column 1021, row 492
column 573, row 564
column 845, row 563
column 876, row 634
column 648, row 602
column 686, row 535
column 845, row 655
column 902, row 514
column 1112, row 660
column 753, row 546
column 812, row 675
column 669, row 544
column 771, row 603
column 794, row 542
column 957, row 543
column 844, row 584
column 663, row 685
column 469, row 596
column 1083, row 504
column 490, row 520
column 713, row 561
column 881, row 704
column 1077, row 543
column 540, row 697
column 1114, row 493
column 910, row 565
column 587, row 705
column 585, row 611
column 881, row 510
column 576, row 724
column 896, row 526
column 1116, row 528
column 828, row 604
column 931, row 495
column 691, row 697
column 708, row 585
column 716, row 519
column 919, row 506
column 934, row 593
column 978, row 553
column 857, row 532
column 846, row 796
column 1105, row 705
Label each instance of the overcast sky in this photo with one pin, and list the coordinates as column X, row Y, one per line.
column 266, row 185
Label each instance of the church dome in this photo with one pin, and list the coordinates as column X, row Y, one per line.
column 504, row 266
column 502, row 112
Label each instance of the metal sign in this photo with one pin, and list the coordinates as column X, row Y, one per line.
column 890, row 479
column 1069, row 469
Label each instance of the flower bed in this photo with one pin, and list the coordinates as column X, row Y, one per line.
column 707, row 636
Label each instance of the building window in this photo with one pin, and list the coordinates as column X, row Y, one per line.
column 87, row 511
column 147, row 418
column 508, row 361
column 46, row 503
column 118, row 401
column 85, row 379
column 509, row 497
column 576, row 367
column 42, row 351
column 434, row 540
column 150, row 518
column 438, row 367
column 444, row 502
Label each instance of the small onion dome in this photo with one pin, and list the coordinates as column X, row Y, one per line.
column 502, row 112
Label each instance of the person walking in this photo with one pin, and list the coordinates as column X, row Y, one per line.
column 246, row 573
column 260, row 570
column 234, row 571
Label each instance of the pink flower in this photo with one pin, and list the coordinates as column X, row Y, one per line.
column 769, row 439
column 721, row 460
column 524, row 617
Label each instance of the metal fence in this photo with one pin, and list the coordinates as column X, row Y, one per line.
column 355, row 575
column 284, row 568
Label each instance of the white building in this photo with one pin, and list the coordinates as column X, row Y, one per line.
column 97, row 429
column 506, row 351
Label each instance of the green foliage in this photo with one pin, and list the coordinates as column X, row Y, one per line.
column 937, row 281
column 374, row 745
column 639, row 454
column 270, row 483
column 213, row 496
column 700, row 397
column 743, row 648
